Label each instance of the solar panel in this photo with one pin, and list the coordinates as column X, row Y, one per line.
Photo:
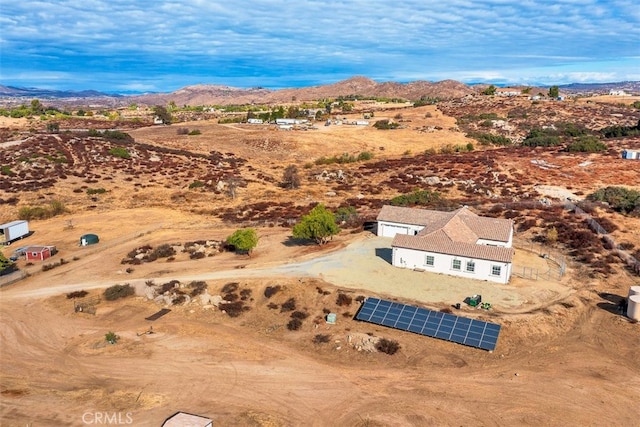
column 435, row 324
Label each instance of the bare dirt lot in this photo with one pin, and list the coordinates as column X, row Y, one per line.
column 566, row 351
column 565, row 354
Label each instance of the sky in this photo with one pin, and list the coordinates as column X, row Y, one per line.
column 127, row 46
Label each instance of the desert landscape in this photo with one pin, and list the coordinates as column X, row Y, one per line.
column 246, row 341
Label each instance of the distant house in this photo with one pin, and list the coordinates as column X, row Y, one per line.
column 620, row 92
column 38, row 253
column 458, row 243
column 508, row 92
column 183, row 419
column 255, row 121
column 291, row 121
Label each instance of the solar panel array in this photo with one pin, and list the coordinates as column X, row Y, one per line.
column 435, row 324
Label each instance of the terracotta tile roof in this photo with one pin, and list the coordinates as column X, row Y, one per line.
column 454, row 233
column 410, row 215
column 442, row 244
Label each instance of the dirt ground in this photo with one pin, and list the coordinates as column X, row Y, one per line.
column 564, row 354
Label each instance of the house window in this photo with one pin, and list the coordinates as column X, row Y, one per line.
column 429, row 260
column 496, row 270
column 34, row 254
column 471, row 266
column 457, row 264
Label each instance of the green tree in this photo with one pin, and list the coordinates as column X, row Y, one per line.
column 319, row 225
column 244, row 240
column 554, row 92
column 162, row 114
column 6, row 265
column 36, row 106
column 491, row 90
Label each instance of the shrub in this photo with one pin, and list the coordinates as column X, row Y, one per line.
column 294, row 324
column 364, row 156
column 321, row 339
column 343, row 300
column 619, row 198
column 196, row 184
column 418, row 197
column 91, row 191
column 77, row 294
column 587, row 144
column 299, row 315
column 120, row 152
column 245, row 294
column 233, row 309
column 387, row 346
column 288, row 305
column 111, row 337
column 195, row 132
column 182, row 131
column 271, row 291
column 230, row 287
column 118, row 291
column 164, row 251
column 385, row 125
column 197, row 288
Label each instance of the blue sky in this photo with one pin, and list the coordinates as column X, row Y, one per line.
column 123, row 45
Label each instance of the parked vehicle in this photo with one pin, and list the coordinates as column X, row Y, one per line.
column 12, row 231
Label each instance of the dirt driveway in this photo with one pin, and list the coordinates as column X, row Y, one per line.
column 364, row 265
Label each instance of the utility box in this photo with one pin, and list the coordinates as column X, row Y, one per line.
column 12, row 231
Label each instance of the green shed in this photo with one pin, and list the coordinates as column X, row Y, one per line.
column 89, row 239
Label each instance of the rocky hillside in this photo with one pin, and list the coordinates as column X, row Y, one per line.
column 362, row 86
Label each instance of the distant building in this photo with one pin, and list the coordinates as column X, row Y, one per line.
column 39, row 253
column 631, row 154
column 255, row 121
column 620, row 92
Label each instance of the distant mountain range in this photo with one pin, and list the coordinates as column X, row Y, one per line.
column 18, row 92
column 224, row 95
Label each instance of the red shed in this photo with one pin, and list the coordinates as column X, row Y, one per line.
column 39, row 253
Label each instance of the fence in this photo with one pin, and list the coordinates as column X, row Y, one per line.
column 629, row 259
column 12, row 278
column 556, row 263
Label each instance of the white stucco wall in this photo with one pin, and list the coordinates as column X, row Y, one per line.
column 410, row 258
column 390, row 229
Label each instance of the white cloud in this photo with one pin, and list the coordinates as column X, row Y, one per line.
column 266, row 38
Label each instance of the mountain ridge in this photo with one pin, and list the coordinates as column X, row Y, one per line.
column 217, row 94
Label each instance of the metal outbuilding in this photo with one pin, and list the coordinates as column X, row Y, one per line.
column 89, row 239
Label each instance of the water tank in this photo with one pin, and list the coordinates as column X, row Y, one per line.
column 633, row 308
column 634, row 290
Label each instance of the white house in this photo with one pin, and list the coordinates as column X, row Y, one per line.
column 458, row 243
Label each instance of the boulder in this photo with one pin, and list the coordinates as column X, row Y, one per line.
column 215, row 300
column 205, row 298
